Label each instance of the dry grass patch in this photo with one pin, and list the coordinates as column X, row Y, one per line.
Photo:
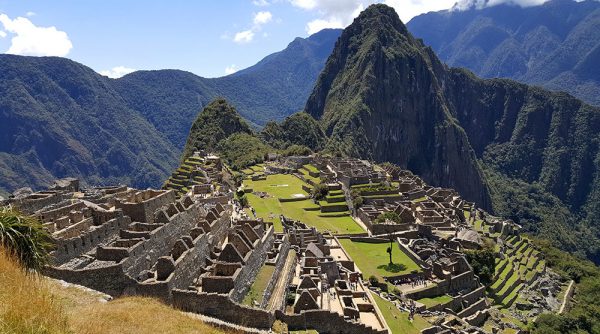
column 33, row 304
column 26, row 303
column 132, row 315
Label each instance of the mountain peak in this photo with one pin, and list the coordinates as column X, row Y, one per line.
column 217, row 121
column 380, row 16
column 380, row 97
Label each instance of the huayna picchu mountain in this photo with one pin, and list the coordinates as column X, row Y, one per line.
column 381, row 97
column 384, row 95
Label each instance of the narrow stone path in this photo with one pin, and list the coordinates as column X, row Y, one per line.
column 278, row 296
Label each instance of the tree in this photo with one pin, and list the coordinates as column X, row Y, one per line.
column 319, row 191
column 390, row 215
column 483, row 262
column 24, row 236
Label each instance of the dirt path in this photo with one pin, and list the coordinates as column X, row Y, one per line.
column 279, row 291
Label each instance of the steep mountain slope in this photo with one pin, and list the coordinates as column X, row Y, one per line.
column 217, row 121
column 272, row 89
column 380, row 97
column 384, row 95
column 555, row 45
column 59, row 118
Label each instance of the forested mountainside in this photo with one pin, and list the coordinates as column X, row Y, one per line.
column 274, row 88
column 555, row 45
column 525, row 152
column 60, row 118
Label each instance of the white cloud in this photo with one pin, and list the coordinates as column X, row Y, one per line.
column 332, row 13
column 2, row 34
column 479, row 4
column 407, row 9
column 117, row 72
column 304, row 4
column 231, row 69
column 262, row 18
column 30, row 14
column 320, row 24
column 31, row 40
column 245, row 36
column 260, row 3
column 340, row 13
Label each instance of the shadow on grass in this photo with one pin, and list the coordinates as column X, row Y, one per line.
column 392, row 267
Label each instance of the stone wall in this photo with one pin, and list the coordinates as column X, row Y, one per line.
column 255, row 261
column 38, row 201
column 69, row 248
column 108, row 279
column 281, row 258
column 223, row 308
column 143, row 210
column 324, row 321
column 163, row 238
column 187, row 267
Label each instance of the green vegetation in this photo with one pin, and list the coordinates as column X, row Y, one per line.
column 215, row 123
column 24, row 236
column 560, row 67
column 298, row 129
column 390, row 215
column 257, row 289
column 398, row 321
column 285, row 186
column 583, row 317
column 241, row 150
column 439, row 300
column 483, row 262
column 372, row 259
column 319, row 191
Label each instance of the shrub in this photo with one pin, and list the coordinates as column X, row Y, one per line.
column 24, row 236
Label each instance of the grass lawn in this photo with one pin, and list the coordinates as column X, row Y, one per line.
column 270, row 208
column 260, row 284
column 279, row 186
column 398, row 321
column 307, row 176
column 429, row 302
column 311, row 168
column 372, row 259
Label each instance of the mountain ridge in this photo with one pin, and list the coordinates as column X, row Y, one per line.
column 141, row 144
column 552, row 45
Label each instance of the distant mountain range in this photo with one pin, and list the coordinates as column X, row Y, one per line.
column 60, row 118
column 555, row 45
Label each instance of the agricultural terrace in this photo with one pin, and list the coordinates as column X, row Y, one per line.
column 397, row 320
column 373, row 259
column 287, row 186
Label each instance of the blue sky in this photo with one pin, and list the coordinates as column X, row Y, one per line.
column 208, row 38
